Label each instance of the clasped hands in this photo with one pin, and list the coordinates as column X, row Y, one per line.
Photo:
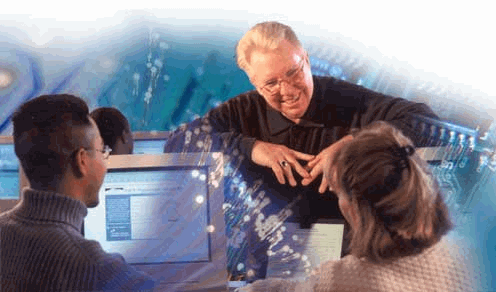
column 282, row 160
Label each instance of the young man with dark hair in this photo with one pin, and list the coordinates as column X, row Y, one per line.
column 41, row 247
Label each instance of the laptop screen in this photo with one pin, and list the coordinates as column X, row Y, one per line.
column 163, row 214
column 297, row 251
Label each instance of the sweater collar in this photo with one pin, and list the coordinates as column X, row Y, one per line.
column 49, row 206
column 279, row 123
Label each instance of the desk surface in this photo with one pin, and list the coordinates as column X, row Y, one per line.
column 7, row 204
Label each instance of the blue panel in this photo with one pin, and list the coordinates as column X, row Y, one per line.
column 9, row 173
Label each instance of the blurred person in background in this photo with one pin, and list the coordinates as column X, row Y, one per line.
column 114, row 129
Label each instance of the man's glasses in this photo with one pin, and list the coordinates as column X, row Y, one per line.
column 105, row 151
column 293, row 76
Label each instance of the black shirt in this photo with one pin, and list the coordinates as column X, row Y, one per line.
column 335, row 108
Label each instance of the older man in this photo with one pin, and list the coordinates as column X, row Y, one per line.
column 41, row 246
column 294, row 121
column 293, row 116
column 287, row 128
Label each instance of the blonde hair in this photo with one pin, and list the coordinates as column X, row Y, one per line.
column 263, row 36
column 396, row 199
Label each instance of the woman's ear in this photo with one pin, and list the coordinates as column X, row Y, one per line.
column 348, row 211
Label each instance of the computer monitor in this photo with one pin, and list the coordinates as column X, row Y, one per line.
column 152, row 142
column 9, row 169
column 163, row 213
column 9, row 174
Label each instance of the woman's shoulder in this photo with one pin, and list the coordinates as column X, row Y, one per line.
column 348, row 267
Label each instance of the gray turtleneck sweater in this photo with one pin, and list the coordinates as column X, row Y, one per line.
column 42, row 249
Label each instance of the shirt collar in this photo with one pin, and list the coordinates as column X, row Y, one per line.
column 49, row 206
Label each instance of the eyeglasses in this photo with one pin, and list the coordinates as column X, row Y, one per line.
column 292, row 76
column 105, row 151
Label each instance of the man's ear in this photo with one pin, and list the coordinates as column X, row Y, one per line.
column 256, row 88
column 80, row 164
column 249, row 74
column 125, row 137
column 129, row 142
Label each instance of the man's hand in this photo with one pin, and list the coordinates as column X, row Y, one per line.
column 316, row 166
column 281, row 160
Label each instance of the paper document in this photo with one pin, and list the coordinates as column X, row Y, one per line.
column 295, row 252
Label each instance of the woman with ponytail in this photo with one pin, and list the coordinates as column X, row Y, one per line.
column 398, row 221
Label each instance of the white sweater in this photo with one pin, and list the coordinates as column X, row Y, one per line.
column 437, row 269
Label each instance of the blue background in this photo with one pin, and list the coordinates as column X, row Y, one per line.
column 161, row 76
